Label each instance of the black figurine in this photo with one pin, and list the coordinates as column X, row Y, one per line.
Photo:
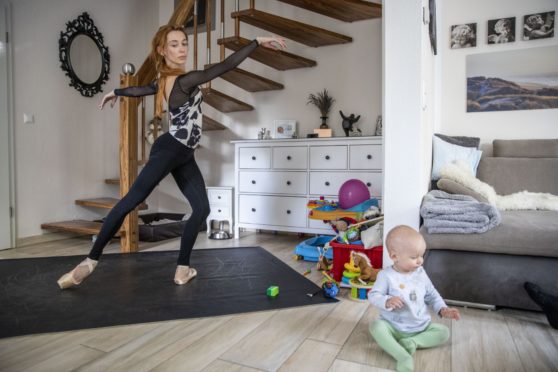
column 348, row 122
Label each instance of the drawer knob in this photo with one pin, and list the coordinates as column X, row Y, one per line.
column 289, row 183
column 253, row 182
column 288, row 211
column 369, row 157
column 327, row 157
column 253, row 209
column 253, row 158
column 219, row 197
column 327, row 183
column 368, row 184
column 288, row 157
column 219, row 210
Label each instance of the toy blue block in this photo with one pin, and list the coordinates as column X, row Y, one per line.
column 309, row 248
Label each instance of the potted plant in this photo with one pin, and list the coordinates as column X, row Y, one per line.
column 323, row 101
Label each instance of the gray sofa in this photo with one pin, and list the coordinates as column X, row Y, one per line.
column 491, row 268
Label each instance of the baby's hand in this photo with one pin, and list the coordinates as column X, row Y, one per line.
column 395, row 303
column 450, row 312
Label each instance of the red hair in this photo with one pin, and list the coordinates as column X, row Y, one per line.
column 163, row 70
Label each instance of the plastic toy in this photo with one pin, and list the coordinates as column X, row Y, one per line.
column 307, row 272
column 350, row 266
column 273, row 291
column 367, row 272
column 353, row 192
column 330, row 289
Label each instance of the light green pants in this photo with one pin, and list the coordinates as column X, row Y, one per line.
column 401, row 345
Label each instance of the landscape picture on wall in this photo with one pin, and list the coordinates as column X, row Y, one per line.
column 501, row 30
column 538, row 26
column 529, row 83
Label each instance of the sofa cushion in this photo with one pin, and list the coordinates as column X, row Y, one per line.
column 445, row 153
column 460, row 140
column 509, row 175
column 530, row 233
column 540, row 148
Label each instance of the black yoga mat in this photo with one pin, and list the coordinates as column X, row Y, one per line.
column 139, row 288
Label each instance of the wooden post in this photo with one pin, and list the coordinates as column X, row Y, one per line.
column 237, row 21
column 252, row 4
column 196, row 35
column 128, row 162
column 222, row 29
column 208, row 34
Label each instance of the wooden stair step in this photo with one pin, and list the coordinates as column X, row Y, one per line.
column 294, row 30
column 344, row 10
column 77, row 226
column 107, row 203
column 278, row 59
column 112, row 181
column 223, row 102
column 249, row 81
column 211, row 124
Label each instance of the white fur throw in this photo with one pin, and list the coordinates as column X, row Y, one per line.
column 460, row 172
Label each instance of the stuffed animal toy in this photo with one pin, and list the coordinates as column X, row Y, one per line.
column 351, row 266
column 367, row 272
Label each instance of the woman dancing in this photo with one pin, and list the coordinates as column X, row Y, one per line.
column 172, row 152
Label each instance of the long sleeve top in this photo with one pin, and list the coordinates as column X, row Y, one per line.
column 417, row 292
column 185, row 97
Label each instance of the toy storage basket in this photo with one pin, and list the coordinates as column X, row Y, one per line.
column 342, row 252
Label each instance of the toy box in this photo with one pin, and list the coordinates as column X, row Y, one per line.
column 341, row 255
column 308, row 249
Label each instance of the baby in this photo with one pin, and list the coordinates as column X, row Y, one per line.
column 402, row 293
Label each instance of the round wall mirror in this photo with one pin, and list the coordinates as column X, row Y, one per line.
column 83, row 55
column 85, row 59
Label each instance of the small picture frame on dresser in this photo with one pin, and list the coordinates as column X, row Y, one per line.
column 284, row 128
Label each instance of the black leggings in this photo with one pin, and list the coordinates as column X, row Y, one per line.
column 167, row 156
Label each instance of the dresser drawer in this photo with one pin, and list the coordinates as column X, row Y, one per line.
column 328, row 183
column 365, row 157
column 219, row 212
column 328, row 157
column 254, row 157
column 290, row 157
column 272, row 210
column 273, row 182
column 217, row 196
column 319, row 224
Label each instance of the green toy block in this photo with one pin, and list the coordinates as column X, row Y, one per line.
column 273, row 291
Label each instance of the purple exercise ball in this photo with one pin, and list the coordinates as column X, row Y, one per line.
column 353, row 192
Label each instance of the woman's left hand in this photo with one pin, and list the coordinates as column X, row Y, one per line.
column 273, row 42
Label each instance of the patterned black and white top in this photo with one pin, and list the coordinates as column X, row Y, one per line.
column 185, row 97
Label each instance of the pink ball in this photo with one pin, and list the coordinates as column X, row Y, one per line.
column 353, row 192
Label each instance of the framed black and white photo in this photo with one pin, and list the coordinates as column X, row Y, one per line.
column 538, row 26
column 284, row 128
column 463, row 36
column 501, row 30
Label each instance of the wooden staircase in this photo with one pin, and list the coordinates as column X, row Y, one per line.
column 297, row 31
column 344, row 10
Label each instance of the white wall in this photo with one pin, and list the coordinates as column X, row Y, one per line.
column 488, row 125
column 408, row 111
column 72, row 146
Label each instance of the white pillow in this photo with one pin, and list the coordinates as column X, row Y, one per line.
column 446, row 153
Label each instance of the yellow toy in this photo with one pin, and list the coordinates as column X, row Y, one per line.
column 351, row 265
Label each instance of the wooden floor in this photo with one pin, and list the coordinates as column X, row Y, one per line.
column 314, row 338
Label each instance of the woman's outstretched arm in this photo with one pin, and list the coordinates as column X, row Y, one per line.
column 196, row 78
column 128, row 92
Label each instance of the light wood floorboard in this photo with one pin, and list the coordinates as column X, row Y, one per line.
column 330, row 337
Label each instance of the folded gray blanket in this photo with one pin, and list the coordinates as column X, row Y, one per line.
column 445, row 213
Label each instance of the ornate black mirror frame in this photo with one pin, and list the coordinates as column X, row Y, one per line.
column 83, row 25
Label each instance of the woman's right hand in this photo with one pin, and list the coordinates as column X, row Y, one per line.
column 109, row 97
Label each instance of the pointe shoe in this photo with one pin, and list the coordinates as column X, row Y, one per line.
column 184, row 274
column 78, row 274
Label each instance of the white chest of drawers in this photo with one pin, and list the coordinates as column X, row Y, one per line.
column 275, row 178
